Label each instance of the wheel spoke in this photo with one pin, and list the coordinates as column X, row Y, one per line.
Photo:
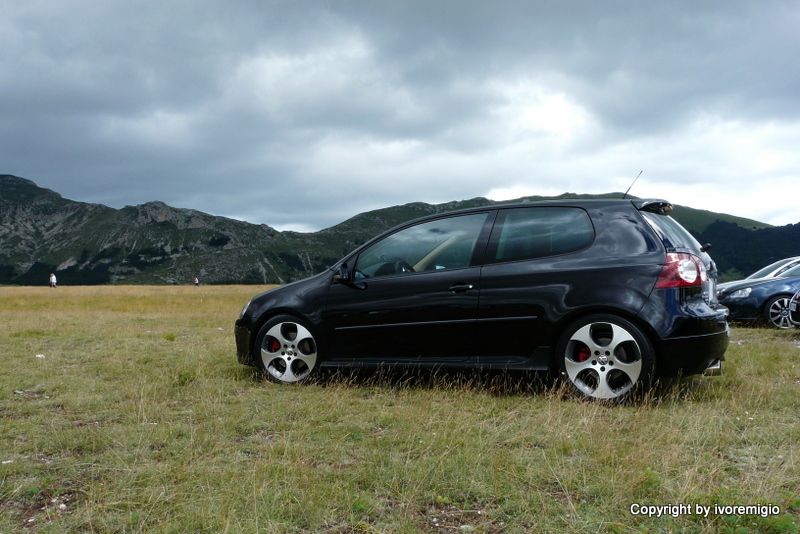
column 286, row 376
column 632, row 370
column 573, row 367
column 603, row 389
column 584, row 335
column 309, row 359
column 277, row 332
column 620, row 336
column 302, row 334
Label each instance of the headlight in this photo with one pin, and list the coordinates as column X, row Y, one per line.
column 740, row 293
column 245, row 309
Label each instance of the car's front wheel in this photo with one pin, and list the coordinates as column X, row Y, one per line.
column 605, row 357
column 776, row 312
column 287, row 350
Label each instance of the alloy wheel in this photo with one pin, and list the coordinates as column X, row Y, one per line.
column 603, row 360
column 289, row 352
column 778, row 313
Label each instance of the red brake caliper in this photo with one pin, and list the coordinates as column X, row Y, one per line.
column 274, row 345
column 583, row 354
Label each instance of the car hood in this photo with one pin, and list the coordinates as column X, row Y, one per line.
column 783, row 283
column 738, row 284
column 291, row 288
column 303, row 296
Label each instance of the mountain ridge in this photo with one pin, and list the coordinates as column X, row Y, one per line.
column 85, row 243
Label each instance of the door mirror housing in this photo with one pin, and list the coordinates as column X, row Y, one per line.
column 341, row 274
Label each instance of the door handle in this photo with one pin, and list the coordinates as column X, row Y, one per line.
column 460, row 288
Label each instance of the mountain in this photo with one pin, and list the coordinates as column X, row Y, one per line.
column 42, row 232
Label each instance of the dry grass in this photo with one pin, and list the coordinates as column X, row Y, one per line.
column 137, row 419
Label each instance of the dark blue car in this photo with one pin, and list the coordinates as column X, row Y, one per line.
column 764, row 300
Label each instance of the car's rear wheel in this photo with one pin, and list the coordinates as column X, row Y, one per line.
column 605, row 357
column 776, row 312
column 287, row 350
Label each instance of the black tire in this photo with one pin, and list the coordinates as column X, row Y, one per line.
column 286, row 350
column 605, row 357
column 776, row 312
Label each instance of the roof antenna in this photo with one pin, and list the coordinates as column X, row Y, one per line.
column 634, row 181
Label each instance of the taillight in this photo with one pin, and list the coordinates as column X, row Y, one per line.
column 681, row 270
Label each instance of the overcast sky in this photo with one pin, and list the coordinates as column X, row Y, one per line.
column 301, row 114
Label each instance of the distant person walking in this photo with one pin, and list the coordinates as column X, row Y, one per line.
column 52, row 280
column 196, row 281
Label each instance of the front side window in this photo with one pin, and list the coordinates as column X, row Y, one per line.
column 431, row 246
column 536, row 232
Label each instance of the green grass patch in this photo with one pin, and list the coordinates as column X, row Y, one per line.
column 138, row 418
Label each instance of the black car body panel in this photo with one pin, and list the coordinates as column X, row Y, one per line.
column 503, row 314
column 523, row 304
column 304, row 299
column 412, row 317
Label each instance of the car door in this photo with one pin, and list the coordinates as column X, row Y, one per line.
column 531, row 268
column 414, row 295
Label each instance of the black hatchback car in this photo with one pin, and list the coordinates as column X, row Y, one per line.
column 607, row 293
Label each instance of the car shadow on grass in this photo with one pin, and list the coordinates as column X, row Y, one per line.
column 501, row 383
column 494, row 382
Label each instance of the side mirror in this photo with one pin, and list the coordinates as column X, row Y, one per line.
column 342, row 274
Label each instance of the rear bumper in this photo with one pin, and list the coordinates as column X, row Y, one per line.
column 715, row 369
column 693, row 354
column 243, row 338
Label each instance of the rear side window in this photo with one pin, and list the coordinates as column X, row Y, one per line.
column 671, row 232
column 536, row 232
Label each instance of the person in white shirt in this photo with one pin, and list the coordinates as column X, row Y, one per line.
column 52, row 280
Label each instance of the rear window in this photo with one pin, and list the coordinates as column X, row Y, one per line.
column 671, row 232
column 536, row 232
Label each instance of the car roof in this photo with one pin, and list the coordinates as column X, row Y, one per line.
column 564, row 202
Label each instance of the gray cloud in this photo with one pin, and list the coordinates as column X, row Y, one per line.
column 300, row 114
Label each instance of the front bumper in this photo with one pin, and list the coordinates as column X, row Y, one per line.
column 244, row 343
column 744, row 309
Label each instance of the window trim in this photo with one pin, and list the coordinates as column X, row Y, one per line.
column 494, row 238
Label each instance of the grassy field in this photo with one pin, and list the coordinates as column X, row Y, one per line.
column 123, row 409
